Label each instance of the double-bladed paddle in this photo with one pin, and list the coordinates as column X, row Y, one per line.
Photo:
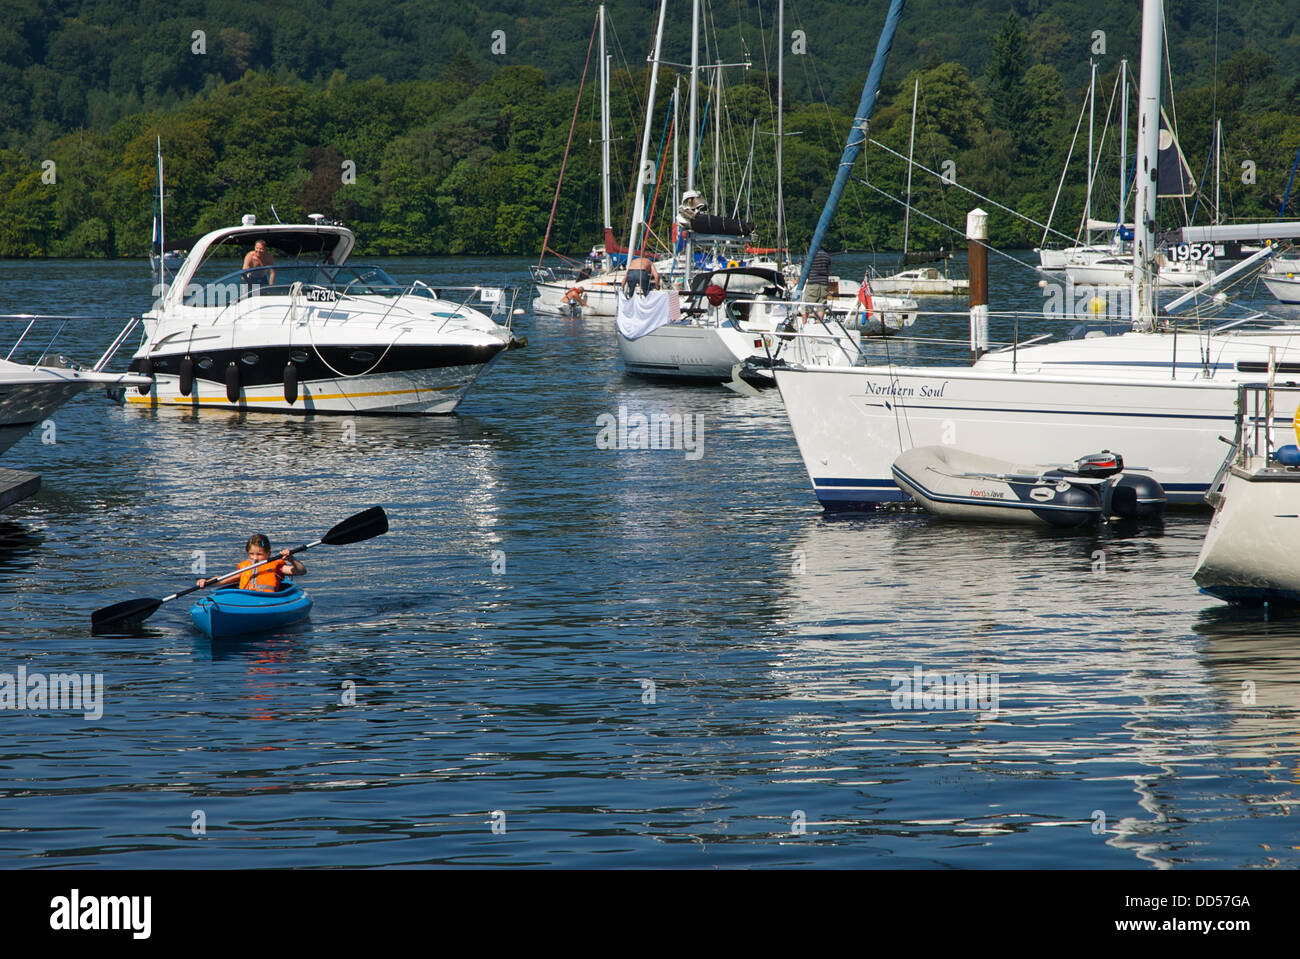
column 364, row 525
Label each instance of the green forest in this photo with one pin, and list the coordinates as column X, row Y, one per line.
column 433, row 128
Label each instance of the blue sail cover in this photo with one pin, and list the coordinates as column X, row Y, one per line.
column 857, row 135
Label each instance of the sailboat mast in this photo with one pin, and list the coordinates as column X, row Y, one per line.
column 638, row 206
column 1144, row 200
column 717, row 143
column 604, row 121
column 1092, row 110
column 911, row 145
column 1218, row 146
column 1123, row 144
column 695, row 98
column 690, row 143
column 780, row 133
column 162, row 228
column 677, row 140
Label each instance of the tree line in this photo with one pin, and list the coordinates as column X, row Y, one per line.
column 466, row 162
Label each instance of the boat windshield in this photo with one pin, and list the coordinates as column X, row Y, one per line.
column 319, row 281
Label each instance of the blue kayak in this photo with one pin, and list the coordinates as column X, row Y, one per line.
column 234, row 612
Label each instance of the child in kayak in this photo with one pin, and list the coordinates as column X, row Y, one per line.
column 266, row 579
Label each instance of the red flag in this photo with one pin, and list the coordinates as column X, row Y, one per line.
column 864, row 296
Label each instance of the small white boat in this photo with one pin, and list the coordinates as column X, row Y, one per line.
column 1282, row 277
column 885, row 316
column 922, row 281
column 955, row 484
column 1251, row 552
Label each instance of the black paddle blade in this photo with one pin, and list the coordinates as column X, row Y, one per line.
column 365, row 525
column 122, row 615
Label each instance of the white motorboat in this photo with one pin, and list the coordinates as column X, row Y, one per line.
column 313, row 333
column 30, row 393
column 1251, row 552
column 1282, row 277
column 1163, row 390
column 957, row 484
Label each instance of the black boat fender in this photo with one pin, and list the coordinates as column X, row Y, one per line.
column 232, row 382
column 146, row 369
column 290, row 383
column 187, row 375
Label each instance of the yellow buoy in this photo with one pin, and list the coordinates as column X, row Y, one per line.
column 1097, row 305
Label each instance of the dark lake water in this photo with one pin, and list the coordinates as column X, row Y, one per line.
column 570, row 656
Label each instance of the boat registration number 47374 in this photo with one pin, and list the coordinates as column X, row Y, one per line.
column 321, row 294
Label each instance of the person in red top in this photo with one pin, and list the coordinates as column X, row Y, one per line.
column 264, row 579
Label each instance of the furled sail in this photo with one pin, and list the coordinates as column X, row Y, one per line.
column 1174, row 177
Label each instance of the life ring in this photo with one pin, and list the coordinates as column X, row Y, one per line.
column 732, row 264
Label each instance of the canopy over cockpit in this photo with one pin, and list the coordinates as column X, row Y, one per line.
column 290, row 244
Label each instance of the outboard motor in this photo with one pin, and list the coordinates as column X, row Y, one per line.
column 1127, row 495
column 1099, row 465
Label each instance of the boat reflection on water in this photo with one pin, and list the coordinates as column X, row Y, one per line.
column 1253, row 668
column 1107, row 716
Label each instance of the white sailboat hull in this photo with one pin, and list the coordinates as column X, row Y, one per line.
column 1251, row 551
column 1285, row 287
column 689, row 351
column 850, row 423
column 1099, row 273
column 599, row 292
column 1058, row 260
column 925, row 282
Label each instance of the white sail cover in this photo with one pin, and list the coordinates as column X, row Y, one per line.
column 1107, row 226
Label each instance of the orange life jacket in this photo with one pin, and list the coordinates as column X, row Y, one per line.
column 264, row 580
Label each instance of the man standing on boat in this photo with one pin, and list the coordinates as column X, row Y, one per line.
column 257, row 265
column 819, row 278
column 641, row 271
